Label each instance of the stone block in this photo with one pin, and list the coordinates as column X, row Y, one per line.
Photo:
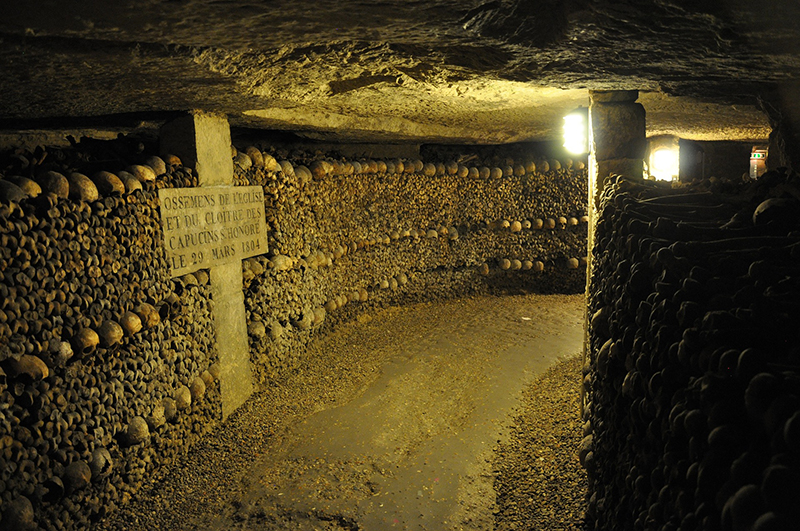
column 611, row 96
column 618, row 130
column 236, row 381
column 202, row 141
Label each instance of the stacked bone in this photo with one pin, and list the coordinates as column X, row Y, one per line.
column 347, row 236
column 693, row 381
column 98, row 347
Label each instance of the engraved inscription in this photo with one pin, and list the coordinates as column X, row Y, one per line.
column 212, row 225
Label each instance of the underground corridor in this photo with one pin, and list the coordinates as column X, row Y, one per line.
column 506, row 265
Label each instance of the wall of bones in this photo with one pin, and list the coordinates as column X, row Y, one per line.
column 349, row 236
column 693, row 378
column 108, row 367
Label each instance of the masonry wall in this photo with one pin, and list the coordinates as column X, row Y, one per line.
column 108, row 367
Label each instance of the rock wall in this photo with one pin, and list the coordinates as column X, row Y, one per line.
column 108, row 367
column 693, row 377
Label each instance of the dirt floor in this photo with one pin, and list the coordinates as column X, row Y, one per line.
column 460, row 415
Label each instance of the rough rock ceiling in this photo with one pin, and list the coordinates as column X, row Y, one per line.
column 407, row 70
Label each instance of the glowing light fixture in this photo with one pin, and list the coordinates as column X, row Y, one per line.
column 576, row 131
column 664, row 162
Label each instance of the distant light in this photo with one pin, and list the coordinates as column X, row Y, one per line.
column 576, row 131
column 665, row 164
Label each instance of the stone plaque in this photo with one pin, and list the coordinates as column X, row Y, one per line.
column 208, row 226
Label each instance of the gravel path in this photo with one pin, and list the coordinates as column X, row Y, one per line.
column 398, row 421
column 540, row 484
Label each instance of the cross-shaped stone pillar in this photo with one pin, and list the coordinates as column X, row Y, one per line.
column 203, row 141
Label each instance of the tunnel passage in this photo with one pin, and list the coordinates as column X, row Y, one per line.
column 110, row 367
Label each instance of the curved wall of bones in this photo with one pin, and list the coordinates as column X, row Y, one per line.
column 349, row 236
column 108, row 367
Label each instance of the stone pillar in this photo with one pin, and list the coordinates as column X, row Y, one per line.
column 617, row 144
column 617, row 138
column 203, row 141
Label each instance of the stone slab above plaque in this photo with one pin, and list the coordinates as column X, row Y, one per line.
column 213, row 225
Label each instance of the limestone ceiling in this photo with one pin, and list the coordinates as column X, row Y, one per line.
column 399, row 70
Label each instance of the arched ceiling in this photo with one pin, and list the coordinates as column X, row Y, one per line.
column 401, row 70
